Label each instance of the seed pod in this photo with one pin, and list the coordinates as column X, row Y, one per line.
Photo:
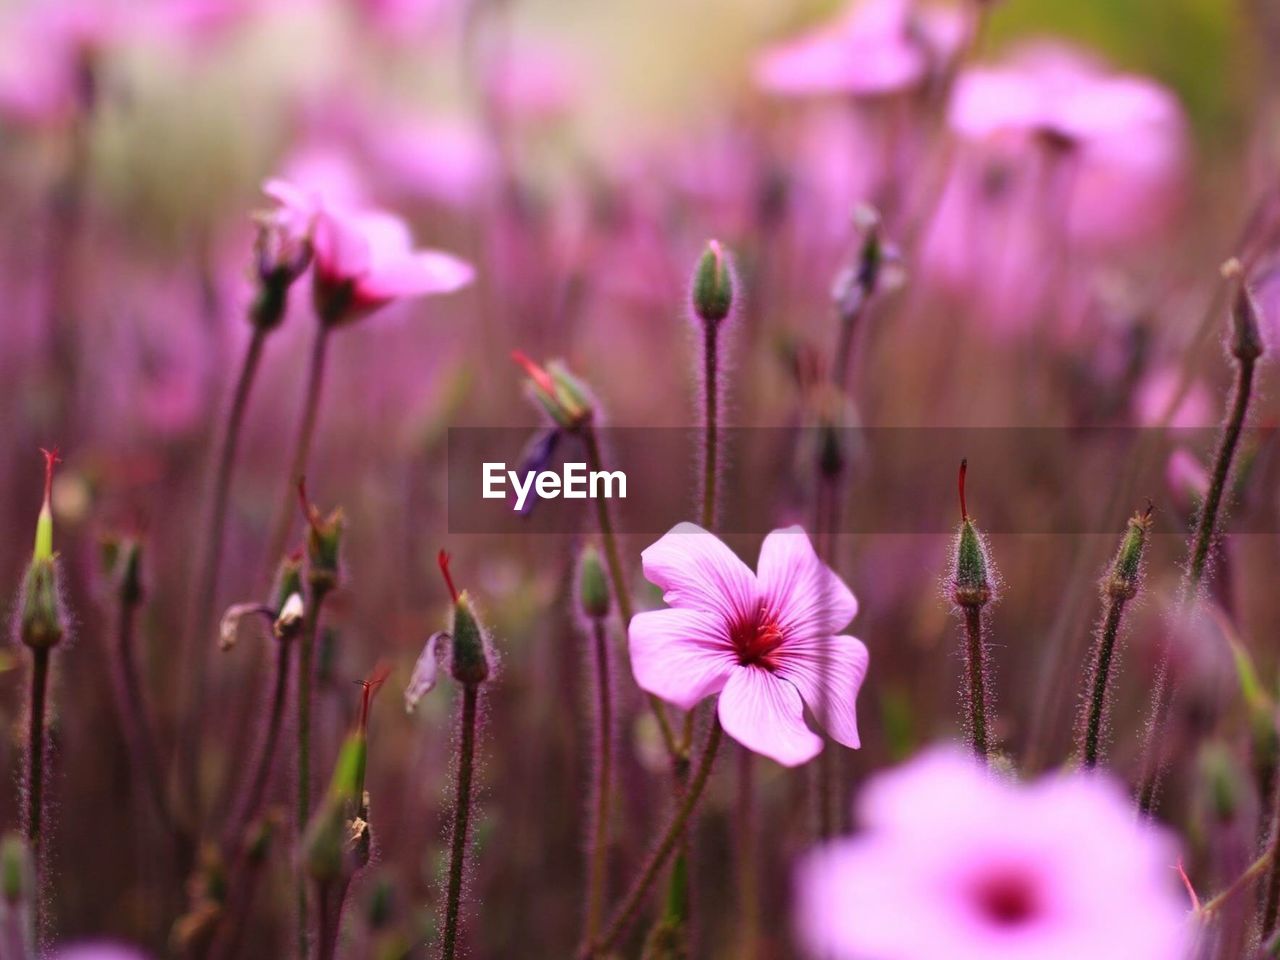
column 593, row 587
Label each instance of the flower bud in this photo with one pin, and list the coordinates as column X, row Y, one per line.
column 563, row 396
column 593, row 588
column 289, row 623
column 17, row 874
column 281, row 256
column 323, row 544
column 469, row 663
column 970, row 581
column 288, row 581
column 713, row 284
column 1126, row 568
column 1246, row 341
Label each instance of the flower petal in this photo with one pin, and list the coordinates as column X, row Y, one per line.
column 341, row 248
column 697, row 571
column 808, row 599
column 679, row 655
column 424, row 272
column 763, row 713
column 828, row 672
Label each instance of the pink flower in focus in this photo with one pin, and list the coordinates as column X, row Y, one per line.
column 363, row 259
column 877, row 47
column 956, row 862
column 766, row 642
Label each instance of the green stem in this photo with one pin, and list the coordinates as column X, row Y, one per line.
column 976, row 669
column 302, row 446
column 604, row 786
column 1101, row 679
column 626, row 911
column 613, row 560
column 35, row 768
column 306, row 657
column 461, row 819
column 710, row 425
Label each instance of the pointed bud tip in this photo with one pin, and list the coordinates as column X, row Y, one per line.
column 713, row 284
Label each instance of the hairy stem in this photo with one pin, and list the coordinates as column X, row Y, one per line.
column 640, row 887
column 1101, row 678
column 251, row 803
column 302, row 446
column 461, row 820
column 604, row 783
column 35, row 768
column 710, row 437
column 748, row 856
column 976, row 672
column 1198, row 558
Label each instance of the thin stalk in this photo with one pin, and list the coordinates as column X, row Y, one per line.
column 976, row 670
column 214, row 542
column 1101, row 678
column 250, row 805
column 710, row 433
column 626, row 911
column 1201, row 548
column 1242, row 882
column 306, row 658
column 133, row 709
column 1271, row 896
column 613, row 560
column 748, row 856
column 604, row 783
column 330, row 897
column 302, row 446
column 461, row 820
column 35, row 767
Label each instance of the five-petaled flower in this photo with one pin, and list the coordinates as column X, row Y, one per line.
column 363, row 259
column 957, row 862
column 767, row 642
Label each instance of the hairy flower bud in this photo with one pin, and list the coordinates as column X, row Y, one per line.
column 970, row 580
column 323, row 543
column 563, row 396
column 42, row 620
column 469, row 659
column 281, row 256
column 713, row 284
column 1246, row 341
column 1126, row 569
column 593, row 587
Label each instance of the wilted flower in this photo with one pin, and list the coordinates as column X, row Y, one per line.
column 877, row 47
column 425, row 671
column 956, row 862
column 766, row 642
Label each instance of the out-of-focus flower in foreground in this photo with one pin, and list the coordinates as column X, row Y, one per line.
column 99, row 950
column 955, row 861
column 767, row 642
column 365, row 259
column 877, row 47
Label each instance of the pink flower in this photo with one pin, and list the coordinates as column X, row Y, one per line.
column 956, row 862
column 364, row 259
column 766, row 641
column 877, row 47
column 1159, row 388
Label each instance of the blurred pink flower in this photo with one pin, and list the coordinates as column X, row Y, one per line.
column 1127, row 135
column 876, row 47
column 98, row 950
column 447, row 162
column 766, row 642
column 47, row 55
column 1159, row 388
column 534, row 83
column 956, row 862
column 364, row 259
column 1187, row 478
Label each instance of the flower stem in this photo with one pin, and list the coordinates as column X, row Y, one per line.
column 249, row 807
column 1271, row 896
column 748, row 856
column 626, row 911
column 604, row 785
column 976, row 670
column 306, row 657
column 1101, row 678
column 613, row 560
column 1201, row 548
column 302, row 446
column 461, row 820
column 35, row 767
column 1241, row 882
column 214, row 540
column 710, row 438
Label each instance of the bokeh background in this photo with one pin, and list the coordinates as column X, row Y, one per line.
column 580, row 155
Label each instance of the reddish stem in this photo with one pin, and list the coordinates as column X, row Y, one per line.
column 964, row 509
column 443, row 558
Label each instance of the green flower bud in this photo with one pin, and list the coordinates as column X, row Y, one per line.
column 563, row 396
column 469, row 663
column 971, row 581
column 593, row 588
column 323, row 544
column 42, row 623
column 713, row 284
column 1127, row 566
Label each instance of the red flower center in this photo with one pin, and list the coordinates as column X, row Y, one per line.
column 1007, row 898
column 756, row 639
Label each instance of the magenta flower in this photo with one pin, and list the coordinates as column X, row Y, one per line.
column 957, row 862
column 364, row 259
column 767, row 642
column 877, row 47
